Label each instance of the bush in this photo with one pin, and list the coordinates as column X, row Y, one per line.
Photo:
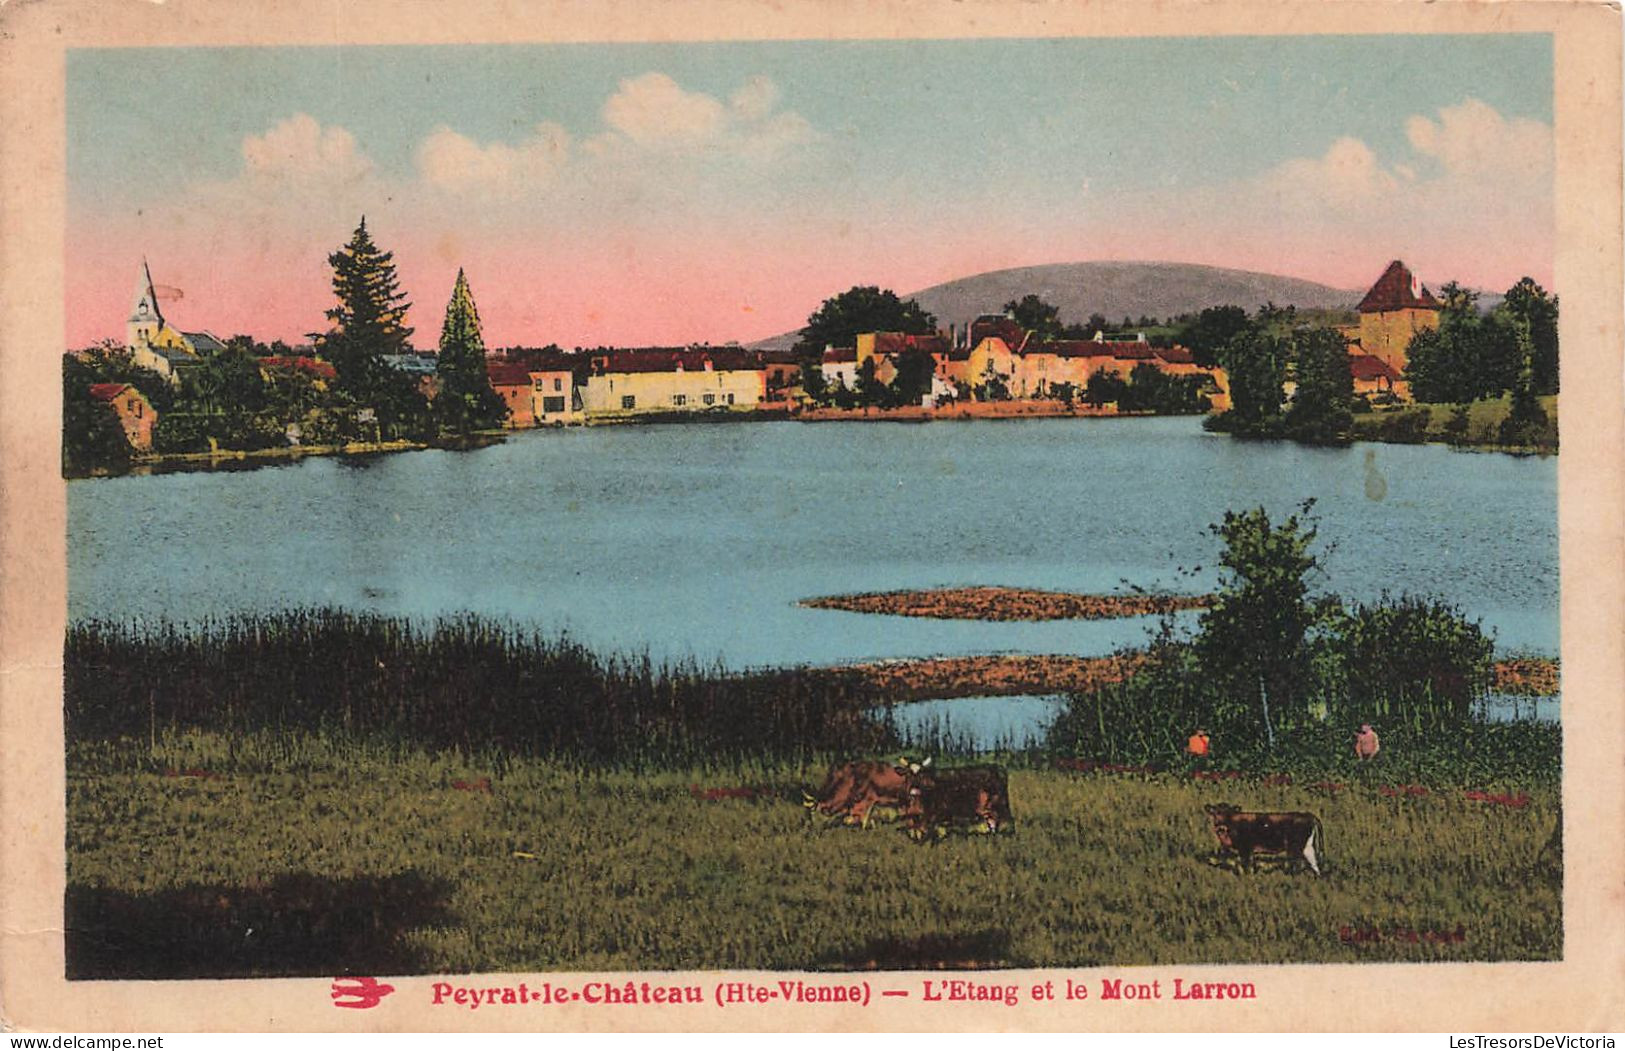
column 1414, row 661
column 1456, row 427
column 183, row 432
column 1409, row 427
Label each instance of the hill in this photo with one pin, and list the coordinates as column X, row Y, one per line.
column 1115, row 289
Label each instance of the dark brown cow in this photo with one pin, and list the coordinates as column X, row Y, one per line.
column 852, row 790
column 1243, row 834
column 975, row 796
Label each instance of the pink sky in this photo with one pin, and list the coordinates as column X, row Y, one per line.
column 619, row 241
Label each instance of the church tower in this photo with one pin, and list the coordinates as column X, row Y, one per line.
column 146, row 320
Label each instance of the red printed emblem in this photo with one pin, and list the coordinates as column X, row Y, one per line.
column 359, row 992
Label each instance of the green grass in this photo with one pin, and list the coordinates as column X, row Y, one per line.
column 303, row 854
column 1484, row 419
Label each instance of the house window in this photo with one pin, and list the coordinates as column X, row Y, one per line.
column 558, row 384
column 679, row 399
column 551, row 405
column 135, row 407
column 730, row 399
column 710, row 399
column 628, row 401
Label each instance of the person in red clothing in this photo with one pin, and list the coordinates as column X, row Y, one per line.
column 1198, row 745
column 1366, row 743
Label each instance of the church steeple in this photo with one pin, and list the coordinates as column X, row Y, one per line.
column 147, row 319
column 146, row 300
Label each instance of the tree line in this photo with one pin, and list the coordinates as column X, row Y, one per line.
column 228, row 400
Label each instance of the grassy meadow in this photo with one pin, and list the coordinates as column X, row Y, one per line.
column 197, row 853
column 1428, row 422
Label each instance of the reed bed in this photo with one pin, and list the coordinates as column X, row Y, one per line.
column 465, row 684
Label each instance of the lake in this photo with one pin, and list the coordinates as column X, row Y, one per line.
column 986, row 723
column 698, row 541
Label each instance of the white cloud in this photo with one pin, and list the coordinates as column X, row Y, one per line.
column 1467, row 153
column 655, row 112
column 450, row 160
column 1466, row 193
column 1472, row 139
column 657, row 138
column 1347, row 174
column 755, row 98
column 299, row 149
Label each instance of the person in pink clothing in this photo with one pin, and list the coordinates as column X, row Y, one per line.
column 1366, row 744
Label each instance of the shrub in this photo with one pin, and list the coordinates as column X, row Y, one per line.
column 1407, row 427
column 1417, row 661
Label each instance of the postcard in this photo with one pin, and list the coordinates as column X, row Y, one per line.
column 812, row 517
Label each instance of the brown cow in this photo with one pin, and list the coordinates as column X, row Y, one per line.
column 852, row 790
column 1243, row 833
column 977, row 796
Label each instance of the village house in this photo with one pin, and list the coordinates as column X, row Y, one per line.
column 513, row 385
column 154, row 344
column 992, row 365
column 1373, row 376
column 133, row 410
column 781, row 371
column 628, row 383
column 840, row 366
column 1395, row 309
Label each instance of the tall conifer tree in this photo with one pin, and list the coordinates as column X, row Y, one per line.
column 369, row 320
column 368, row 323
column 466, row 401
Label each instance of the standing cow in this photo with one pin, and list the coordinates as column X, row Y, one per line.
column 974, row 796
column 1242, row 834
column 852, row 790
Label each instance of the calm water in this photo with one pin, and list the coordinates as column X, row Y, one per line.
column 697, row 541
column 985, row 723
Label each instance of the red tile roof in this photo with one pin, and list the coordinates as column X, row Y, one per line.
column 997, row 325
column 1175, row 355
column 1367, row 367
column 107, row 391
column 897, row 342
column 1397, row 289
column 538, row 360
column 660, row 359
column 840, row 355
column 1130, row 351
column 506, row 374
column 322, row 369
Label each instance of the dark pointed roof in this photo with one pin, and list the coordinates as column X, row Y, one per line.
column 1397, row 289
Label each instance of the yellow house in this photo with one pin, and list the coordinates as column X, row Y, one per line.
column 991, row 363
column 1396, row 309
column 153, row 343
column 629, row 383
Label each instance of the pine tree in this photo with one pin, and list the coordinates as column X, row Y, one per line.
column 466, row 401
column 368, row 322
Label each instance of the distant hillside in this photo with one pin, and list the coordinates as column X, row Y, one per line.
column 1157, row 290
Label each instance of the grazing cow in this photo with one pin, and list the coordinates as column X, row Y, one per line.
column 1243, row 834
column 975, row 796
column 852, row 790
